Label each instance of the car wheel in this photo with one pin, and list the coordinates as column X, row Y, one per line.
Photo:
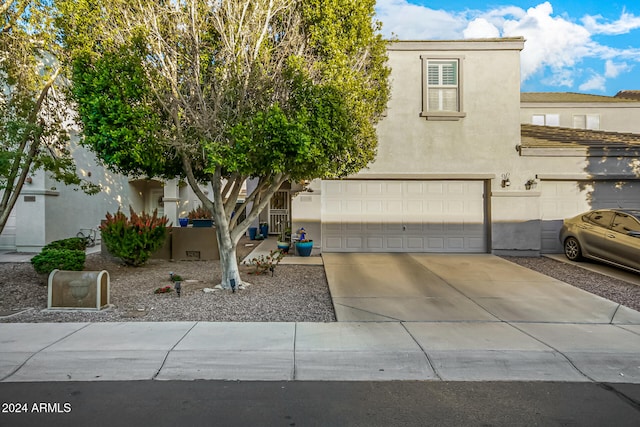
column 572, row 249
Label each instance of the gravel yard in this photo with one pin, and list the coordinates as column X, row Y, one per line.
column 294, row 294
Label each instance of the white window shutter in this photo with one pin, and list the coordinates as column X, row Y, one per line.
column 593, row 122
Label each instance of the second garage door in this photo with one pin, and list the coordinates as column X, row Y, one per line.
column 566, row 199
column 403, row 216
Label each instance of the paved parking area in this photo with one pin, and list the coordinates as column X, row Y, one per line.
column 400, row 317
column 441, row 287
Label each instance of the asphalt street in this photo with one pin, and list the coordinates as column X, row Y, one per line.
column 407, row 403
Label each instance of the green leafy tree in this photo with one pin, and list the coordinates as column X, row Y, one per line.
column 33, row 111
column 221, row 92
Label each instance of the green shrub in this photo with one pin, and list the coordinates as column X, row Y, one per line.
column 63, row 259
column 72, row 243
column 134, row 239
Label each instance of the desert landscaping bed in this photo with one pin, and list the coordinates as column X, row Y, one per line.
column 295, row 293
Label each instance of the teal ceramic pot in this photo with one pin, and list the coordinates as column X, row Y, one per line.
column 304, row 248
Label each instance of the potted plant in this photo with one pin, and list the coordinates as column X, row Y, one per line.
column 284, row 240
column 201, row 217
column 304, row 245
column 264, row 229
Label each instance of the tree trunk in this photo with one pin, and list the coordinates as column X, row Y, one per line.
column 228, row 263
column 226, row 245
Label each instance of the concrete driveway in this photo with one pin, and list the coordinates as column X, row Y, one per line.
column 455, row 288
column 481, row 318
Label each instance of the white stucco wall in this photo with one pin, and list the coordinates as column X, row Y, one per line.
column 48, row 210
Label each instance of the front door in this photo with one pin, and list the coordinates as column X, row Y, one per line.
column 279, row 212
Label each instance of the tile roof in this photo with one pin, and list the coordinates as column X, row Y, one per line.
column 534, row 136
column 560, row 97
column 629, row 94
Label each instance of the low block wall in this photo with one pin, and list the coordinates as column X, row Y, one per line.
column 188, row 243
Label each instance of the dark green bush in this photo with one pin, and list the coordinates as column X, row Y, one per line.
column 134, row 239
column 72, row 243
column 63, row 259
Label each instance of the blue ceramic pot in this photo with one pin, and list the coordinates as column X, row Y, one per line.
column 304, row 248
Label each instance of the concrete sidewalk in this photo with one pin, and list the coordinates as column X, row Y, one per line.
column 447, row 351
column 401, row 317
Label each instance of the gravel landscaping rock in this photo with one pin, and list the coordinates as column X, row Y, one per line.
column 615, row 290
column 294, row 294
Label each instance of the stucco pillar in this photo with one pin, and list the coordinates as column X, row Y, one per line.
column 515, row 223
column 171, row 199
column 251, row 185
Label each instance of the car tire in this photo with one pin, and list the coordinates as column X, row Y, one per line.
column 572, row 249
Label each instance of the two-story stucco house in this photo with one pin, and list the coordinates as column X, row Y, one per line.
column 457, row 172
column 465, row 163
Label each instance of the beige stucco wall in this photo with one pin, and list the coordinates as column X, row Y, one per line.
column 614, row 117
column 482, row 142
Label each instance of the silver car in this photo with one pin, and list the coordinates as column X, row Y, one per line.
column 608, row 235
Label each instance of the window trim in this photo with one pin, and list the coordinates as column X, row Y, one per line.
column 441, row 115
column 586, row 121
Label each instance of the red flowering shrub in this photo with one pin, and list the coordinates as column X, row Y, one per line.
column 134, row 239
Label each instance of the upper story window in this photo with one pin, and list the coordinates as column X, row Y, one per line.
column 442, row 88
column 546, row 119
column 586, row 121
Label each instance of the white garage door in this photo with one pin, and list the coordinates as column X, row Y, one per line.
column 403, row 216
column 566, row 199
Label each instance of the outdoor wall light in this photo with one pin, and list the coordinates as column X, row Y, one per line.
column 530, row 184
column 28, row 180
column 505, row 180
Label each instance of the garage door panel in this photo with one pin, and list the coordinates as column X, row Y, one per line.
column 435, row 243
column 566, row 199
column 455, row 243
column 395, row 243
column 415, row 243
column 375, row 243
column 374, row 188
column 476, row 244
column 354, row 242
column 414, row 228
column 404, row 216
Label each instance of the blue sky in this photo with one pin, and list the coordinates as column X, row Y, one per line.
column 589, row 46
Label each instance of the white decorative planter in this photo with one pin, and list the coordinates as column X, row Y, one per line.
column 78, row 290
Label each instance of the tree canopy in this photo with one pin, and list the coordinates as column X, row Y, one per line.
column 221, row 91
column 33, row 112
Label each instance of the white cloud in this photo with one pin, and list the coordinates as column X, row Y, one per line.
column 559, row 78
column 481, row 28
column 555, row 45
column 412, row 22
column 625, row 24
column 551, row 41
column 595, row 83
column 613, row 70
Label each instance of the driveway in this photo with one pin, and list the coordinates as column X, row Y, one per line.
column 458, row 288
